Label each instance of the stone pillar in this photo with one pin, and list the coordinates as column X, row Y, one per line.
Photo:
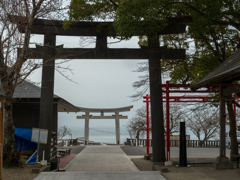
column 182, row 148
column 117, row 128
column 158, row 144
column 222, row 162
column 86, row 129
column 47, row 90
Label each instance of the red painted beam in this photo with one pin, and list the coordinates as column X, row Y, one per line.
column 188, row 97
column 187, row 91
column 177, row 85
column 189, row 101
column 188, row 85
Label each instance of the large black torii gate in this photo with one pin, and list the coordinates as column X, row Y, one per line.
column 49, row 52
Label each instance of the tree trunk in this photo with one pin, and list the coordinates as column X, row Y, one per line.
column 11, row 156
column 198, row 136
column 232, row 132
column 138, row 134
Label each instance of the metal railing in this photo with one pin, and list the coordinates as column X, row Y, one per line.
column 175, row 143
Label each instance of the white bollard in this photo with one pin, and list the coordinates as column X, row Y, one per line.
column 44, row 162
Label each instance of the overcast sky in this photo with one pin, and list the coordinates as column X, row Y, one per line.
column 98, row 83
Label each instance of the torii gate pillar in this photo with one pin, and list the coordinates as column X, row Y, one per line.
column 158, row 147
column 86, row 129
column 47, row 89
column 117, row 128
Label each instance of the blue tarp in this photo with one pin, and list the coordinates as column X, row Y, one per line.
column 23, row 141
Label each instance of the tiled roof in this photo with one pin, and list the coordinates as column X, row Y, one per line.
column 229, row 70
column 27, row 90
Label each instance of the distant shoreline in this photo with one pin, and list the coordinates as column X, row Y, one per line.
column 81, row 142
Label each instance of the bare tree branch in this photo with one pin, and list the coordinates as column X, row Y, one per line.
column 63, row 131
column 203, row 121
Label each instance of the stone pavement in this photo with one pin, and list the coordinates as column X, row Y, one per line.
column 140, row 175
column 76, row 149
column 101, row 158
column 101, row 163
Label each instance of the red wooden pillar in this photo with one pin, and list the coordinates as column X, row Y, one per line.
column 147, row 97
column 167, row 122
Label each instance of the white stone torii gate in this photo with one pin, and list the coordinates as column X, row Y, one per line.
column 87, row 116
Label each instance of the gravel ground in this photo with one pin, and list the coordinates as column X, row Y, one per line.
column 201, row 172
column 19, row 173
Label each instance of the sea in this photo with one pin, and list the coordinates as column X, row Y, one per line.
column 102, row 134
column 108, row 135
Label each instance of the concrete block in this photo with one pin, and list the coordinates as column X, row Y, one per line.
column 147, row 156
column 222, row 163
column 45, row 168
column 151, row 156
column 168, row 163
column 42, row 169
column 44, row 162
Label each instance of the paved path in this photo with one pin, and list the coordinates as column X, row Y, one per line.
column 77, row 149
column 141, row 175
column 101, row 158
column 101, row 163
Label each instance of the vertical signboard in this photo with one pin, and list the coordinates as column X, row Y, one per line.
column 39, row 136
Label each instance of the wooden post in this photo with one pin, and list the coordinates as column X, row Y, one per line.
column 1, row 133
column 222, row 149
column 222, row 162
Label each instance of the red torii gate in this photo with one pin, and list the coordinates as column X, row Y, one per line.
column 178, row 99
